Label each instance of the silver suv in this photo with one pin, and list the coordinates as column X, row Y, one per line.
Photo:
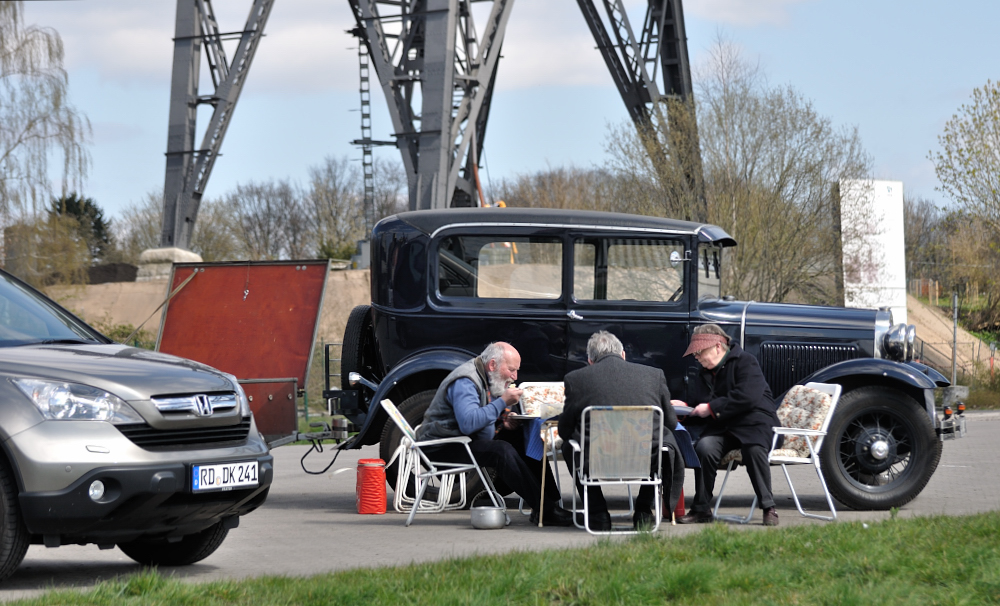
column 113, row 445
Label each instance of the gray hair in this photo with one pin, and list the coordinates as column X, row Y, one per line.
column 602, row 343
column 494, row 352
column 713, row 329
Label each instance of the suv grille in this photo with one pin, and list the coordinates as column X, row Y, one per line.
column 784, row 364
column 147, row 437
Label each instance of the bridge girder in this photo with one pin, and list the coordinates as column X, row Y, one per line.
column 188, row 168
column 437, row 72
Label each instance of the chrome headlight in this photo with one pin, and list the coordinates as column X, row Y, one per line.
column 75, row 402
column 911, row 337
column 895, row 343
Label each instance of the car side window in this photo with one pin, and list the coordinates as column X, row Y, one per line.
column 626, row 269
column 492, row 267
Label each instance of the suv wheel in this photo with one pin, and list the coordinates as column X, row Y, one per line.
column 880, row 450
column 14, row 537
column 190, row 549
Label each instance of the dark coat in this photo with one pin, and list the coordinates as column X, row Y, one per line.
column 611, row 381
column 741, row 401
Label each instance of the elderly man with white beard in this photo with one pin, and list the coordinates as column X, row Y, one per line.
column 473, row 401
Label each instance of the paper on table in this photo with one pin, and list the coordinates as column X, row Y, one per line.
column 542, row 399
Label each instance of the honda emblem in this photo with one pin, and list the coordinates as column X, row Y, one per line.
column 204, row 406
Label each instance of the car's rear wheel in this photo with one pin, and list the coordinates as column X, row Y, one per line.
column 190, row 549
column 880, row 450
column 14, row 539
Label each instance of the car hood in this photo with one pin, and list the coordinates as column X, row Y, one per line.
column 808, row 320
column 128, row 372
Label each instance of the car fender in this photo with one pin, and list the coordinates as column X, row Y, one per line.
column 438, row 359
column 913, row 377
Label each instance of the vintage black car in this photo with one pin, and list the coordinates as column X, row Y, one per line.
column 445, row 283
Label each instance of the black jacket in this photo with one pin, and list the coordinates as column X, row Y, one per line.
column 611, row 381
column 741, row 401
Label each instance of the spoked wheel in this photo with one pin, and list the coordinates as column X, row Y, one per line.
column 881, row 449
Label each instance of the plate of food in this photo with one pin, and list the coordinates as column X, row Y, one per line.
column 542, row 399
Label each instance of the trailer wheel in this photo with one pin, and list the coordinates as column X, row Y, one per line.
column 881, row 449
column 357, row 354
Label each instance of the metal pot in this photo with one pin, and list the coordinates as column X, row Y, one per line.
column 488, row 517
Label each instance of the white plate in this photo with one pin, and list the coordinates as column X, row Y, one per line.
column 224, row 476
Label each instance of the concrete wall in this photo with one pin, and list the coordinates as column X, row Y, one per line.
column 133, row 302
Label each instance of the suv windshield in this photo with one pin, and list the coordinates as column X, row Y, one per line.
column 28, row 319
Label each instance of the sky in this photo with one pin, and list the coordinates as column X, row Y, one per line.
column 897, row 70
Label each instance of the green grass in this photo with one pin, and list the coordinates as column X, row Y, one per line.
column 940, row 560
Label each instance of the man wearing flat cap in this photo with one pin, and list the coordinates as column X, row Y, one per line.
column 733, row 402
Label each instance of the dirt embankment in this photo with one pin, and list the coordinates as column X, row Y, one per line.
column 934, row 329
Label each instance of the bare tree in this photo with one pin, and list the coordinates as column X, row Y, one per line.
column 334, row 207
column 267, row 220
column 390, row 189
column 558, row 188
column 37, row 123
column 138, row 229
column 771, row 163
column 925, row 237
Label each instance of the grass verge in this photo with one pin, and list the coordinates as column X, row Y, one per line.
column 939, row 560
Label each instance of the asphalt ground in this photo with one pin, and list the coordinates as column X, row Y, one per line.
column 310, row 525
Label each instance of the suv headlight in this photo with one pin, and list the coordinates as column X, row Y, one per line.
column 75, row 402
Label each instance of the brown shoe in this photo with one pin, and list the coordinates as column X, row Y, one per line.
column 696, row 517
column 770, row 517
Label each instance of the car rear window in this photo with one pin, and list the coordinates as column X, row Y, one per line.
column 489, row 267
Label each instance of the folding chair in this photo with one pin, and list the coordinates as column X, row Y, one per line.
column 619, row 446
column 414, row 461
column 805, row 415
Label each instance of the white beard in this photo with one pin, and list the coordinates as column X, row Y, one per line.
column 498, row 384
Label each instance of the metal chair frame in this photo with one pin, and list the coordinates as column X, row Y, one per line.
column 582, row 454
column 413, row 460
column 814, row 440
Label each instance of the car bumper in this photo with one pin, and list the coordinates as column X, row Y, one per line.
column 153, row 500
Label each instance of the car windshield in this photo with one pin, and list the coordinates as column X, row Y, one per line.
column 26, row 318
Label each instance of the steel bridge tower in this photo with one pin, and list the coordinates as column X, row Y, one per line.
column 189, row 167
column 437, row 71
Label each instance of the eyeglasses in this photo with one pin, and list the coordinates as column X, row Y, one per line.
column 698, row 354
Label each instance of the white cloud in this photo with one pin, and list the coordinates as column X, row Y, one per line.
column 306, row 49
column 743, row 12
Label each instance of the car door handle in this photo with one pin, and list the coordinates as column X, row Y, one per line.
column 572, row 315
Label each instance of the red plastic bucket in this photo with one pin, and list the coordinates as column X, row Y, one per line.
column 371, row 486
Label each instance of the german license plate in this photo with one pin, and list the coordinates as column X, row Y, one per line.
column 224, row 476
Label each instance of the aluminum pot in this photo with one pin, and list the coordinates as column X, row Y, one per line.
column 488, row 517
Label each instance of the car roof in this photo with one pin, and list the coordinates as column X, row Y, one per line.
column 432, row 221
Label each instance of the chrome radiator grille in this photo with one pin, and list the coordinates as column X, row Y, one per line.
column 785, row 364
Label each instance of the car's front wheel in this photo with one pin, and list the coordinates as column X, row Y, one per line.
column 14, row 537
column 880, row 450
column 190, row 549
